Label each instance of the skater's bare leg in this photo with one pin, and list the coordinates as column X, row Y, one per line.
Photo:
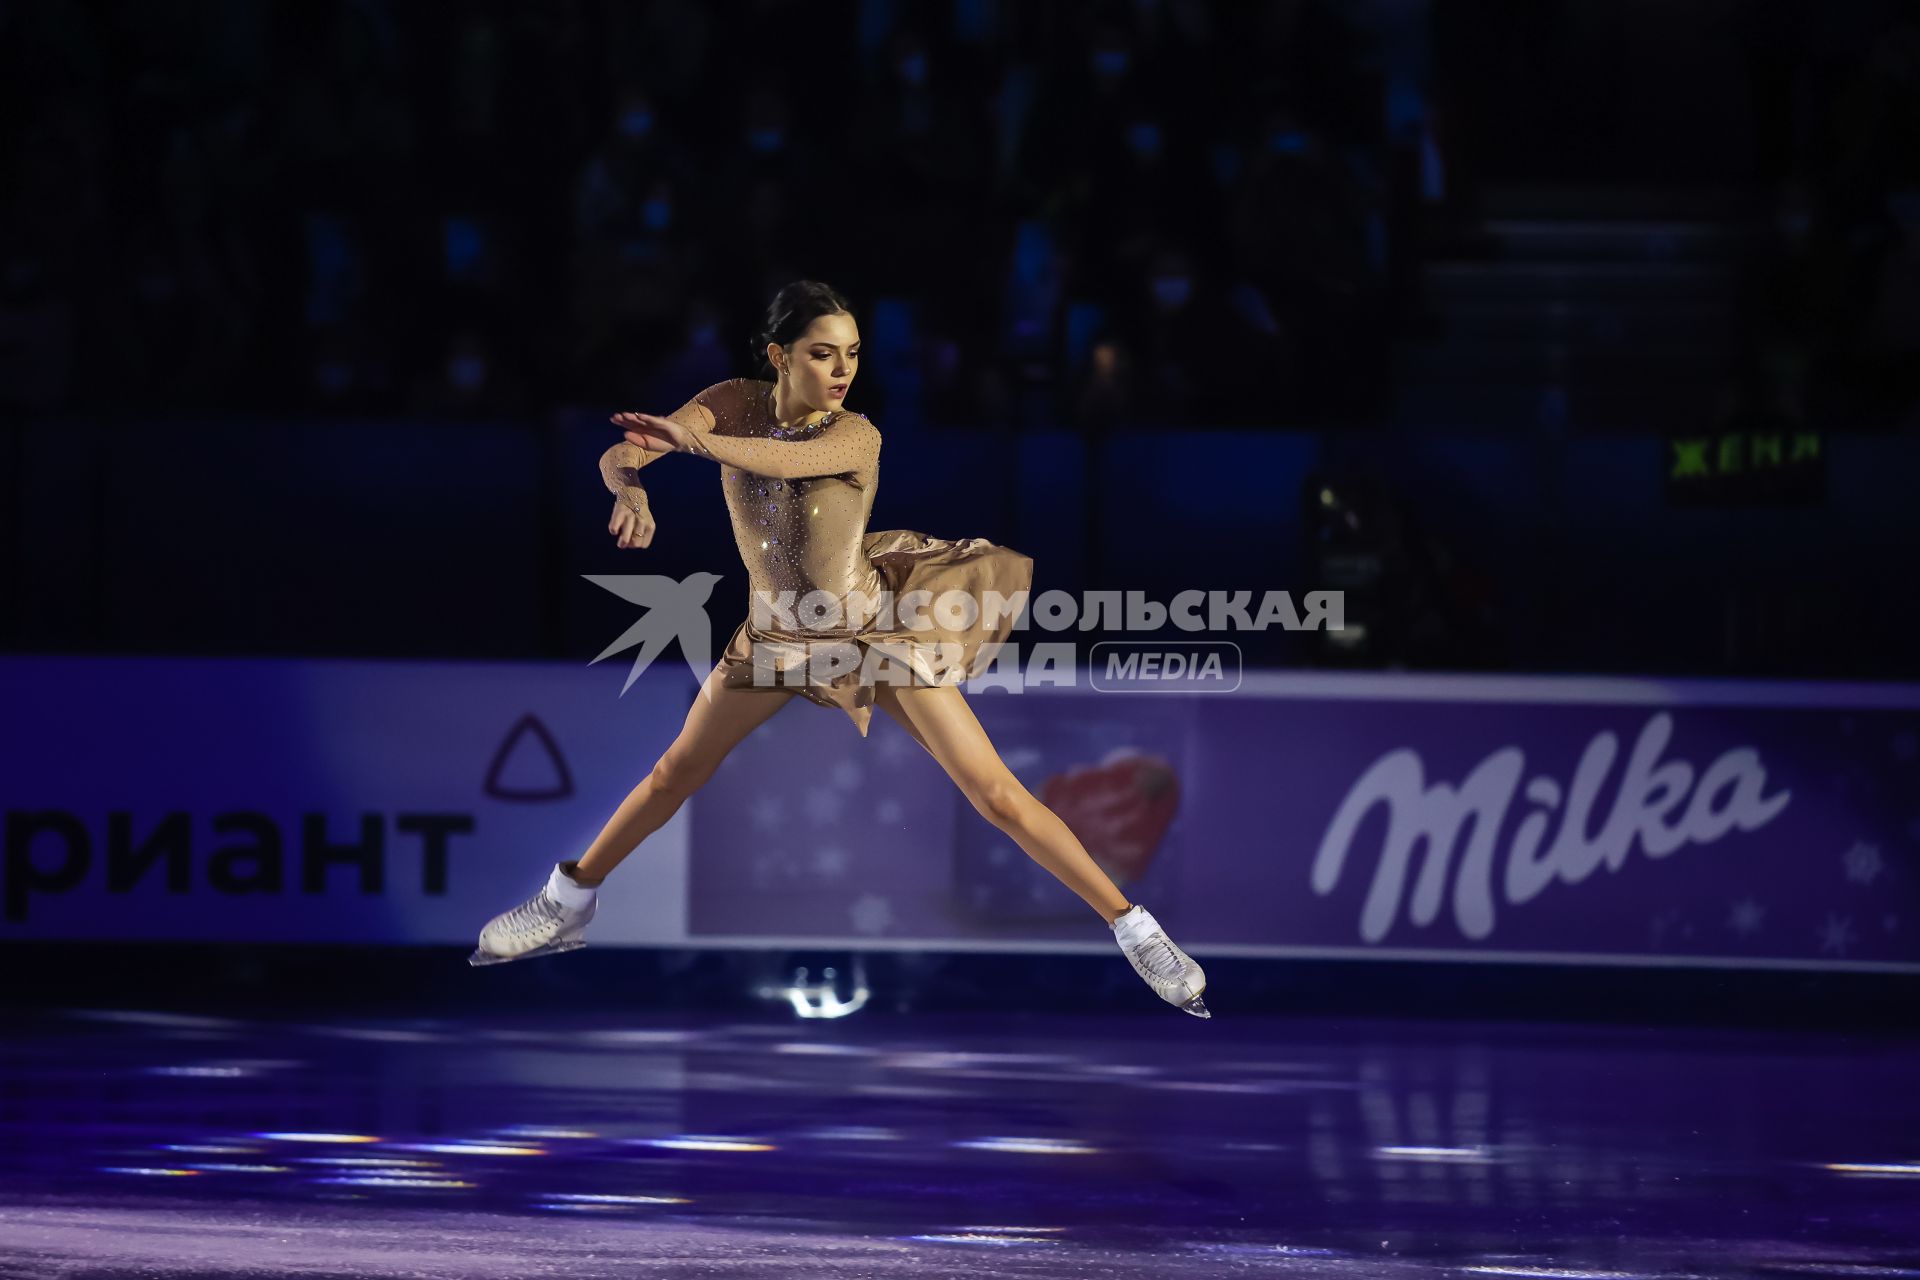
column 940, row 720
column 714, row 726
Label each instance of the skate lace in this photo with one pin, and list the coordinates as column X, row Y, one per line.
column 534, row 914
column 1158, row 954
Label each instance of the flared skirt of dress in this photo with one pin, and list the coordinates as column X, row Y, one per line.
column 841, row 668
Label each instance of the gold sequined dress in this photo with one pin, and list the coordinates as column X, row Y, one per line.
column 800, row 498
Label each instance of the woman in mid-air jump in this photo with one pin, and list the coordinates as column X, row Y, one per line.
column 799, row 472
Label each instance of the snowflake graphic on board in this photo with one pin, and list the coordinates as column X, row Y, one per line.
column 888, row 812
column 871, row 914
column 831, row 863
column 767, row 810
column 1836, row 935
column 1864, row 863
column 1660, row 925
column 896, row 747
column 1746, row 917
column 824, row 806
column 846, row 774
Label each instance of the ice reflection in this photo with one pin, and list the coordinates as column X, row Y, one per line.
column 1296, row 1148
column 983, row 1238
column 703, row 1142
column 1031, row 1146
column 1903, row 1169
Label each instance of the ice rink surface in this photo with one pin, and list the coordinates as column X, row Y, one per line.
column 144, row 1143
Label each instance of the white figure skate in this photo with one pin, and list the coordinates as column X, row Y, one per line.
column 1171, row 972
column 543, row 925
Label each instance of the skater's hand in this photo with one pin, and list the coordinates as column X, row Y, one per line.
column 631, row 528
column 655, row 433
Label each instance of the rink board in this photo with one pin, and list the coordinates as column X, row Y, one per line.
column 1610, row 821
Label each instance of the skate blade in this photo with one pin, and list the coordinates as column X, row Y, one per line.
column 480, row 957
column 1196, row 1006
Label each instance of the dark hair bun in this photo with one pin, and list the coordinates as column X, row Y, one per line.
column 798, row 304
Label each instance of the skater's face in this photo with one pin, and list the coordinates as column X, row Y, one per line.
column 821, row 363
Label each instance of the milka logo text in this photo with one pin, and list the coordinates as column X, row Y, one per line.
column 1728, row 796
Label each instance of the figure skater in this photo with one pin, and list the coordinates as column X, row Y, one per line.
column 799, row 472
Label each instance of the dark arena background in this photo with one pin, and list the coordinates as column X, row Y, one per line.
column 1474, row 444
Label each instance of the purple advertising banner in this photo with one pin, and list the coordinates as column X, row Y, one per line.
column 1611, row 821
column 1551, row 820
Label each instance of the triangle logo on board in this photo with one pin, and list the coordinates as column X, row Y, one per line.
column 528, row 765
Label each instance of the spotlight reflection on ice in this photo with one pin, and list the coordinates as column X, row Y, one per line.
column 1456, row 1155
column 391, row 1035
column 821, row 999
column 542, row 1131
column 391, row 1180
column 1555, row 1273
column 1291, row 1250
column 703, row 1142
column 823, row 1050
column 958, row 1060
column 317, row 1137
column 469, row 1149
column 984, row 1239
column 1031, row 1146
column 1897, row 1169
column 585, row 1198
column 856, row 1133
column 634, row 1036
column 1825, row 1268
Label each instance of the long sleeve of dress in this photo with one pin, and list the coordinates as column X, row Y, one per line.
column 849, row 443
column 620, row 470
column 620, row 465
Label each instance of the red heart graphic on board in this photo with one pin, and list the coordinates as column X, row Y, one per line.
column 1119, row 808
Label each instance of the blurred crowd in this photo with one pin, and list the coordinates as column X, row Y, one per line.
column 1079, row 212
column 1088, row 212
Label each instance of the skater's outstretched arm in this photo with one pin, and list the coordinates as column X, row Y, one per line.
column 620, row 465
column 710, row 423
column 620, row 469
column 849, row 443
column 631, row 523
